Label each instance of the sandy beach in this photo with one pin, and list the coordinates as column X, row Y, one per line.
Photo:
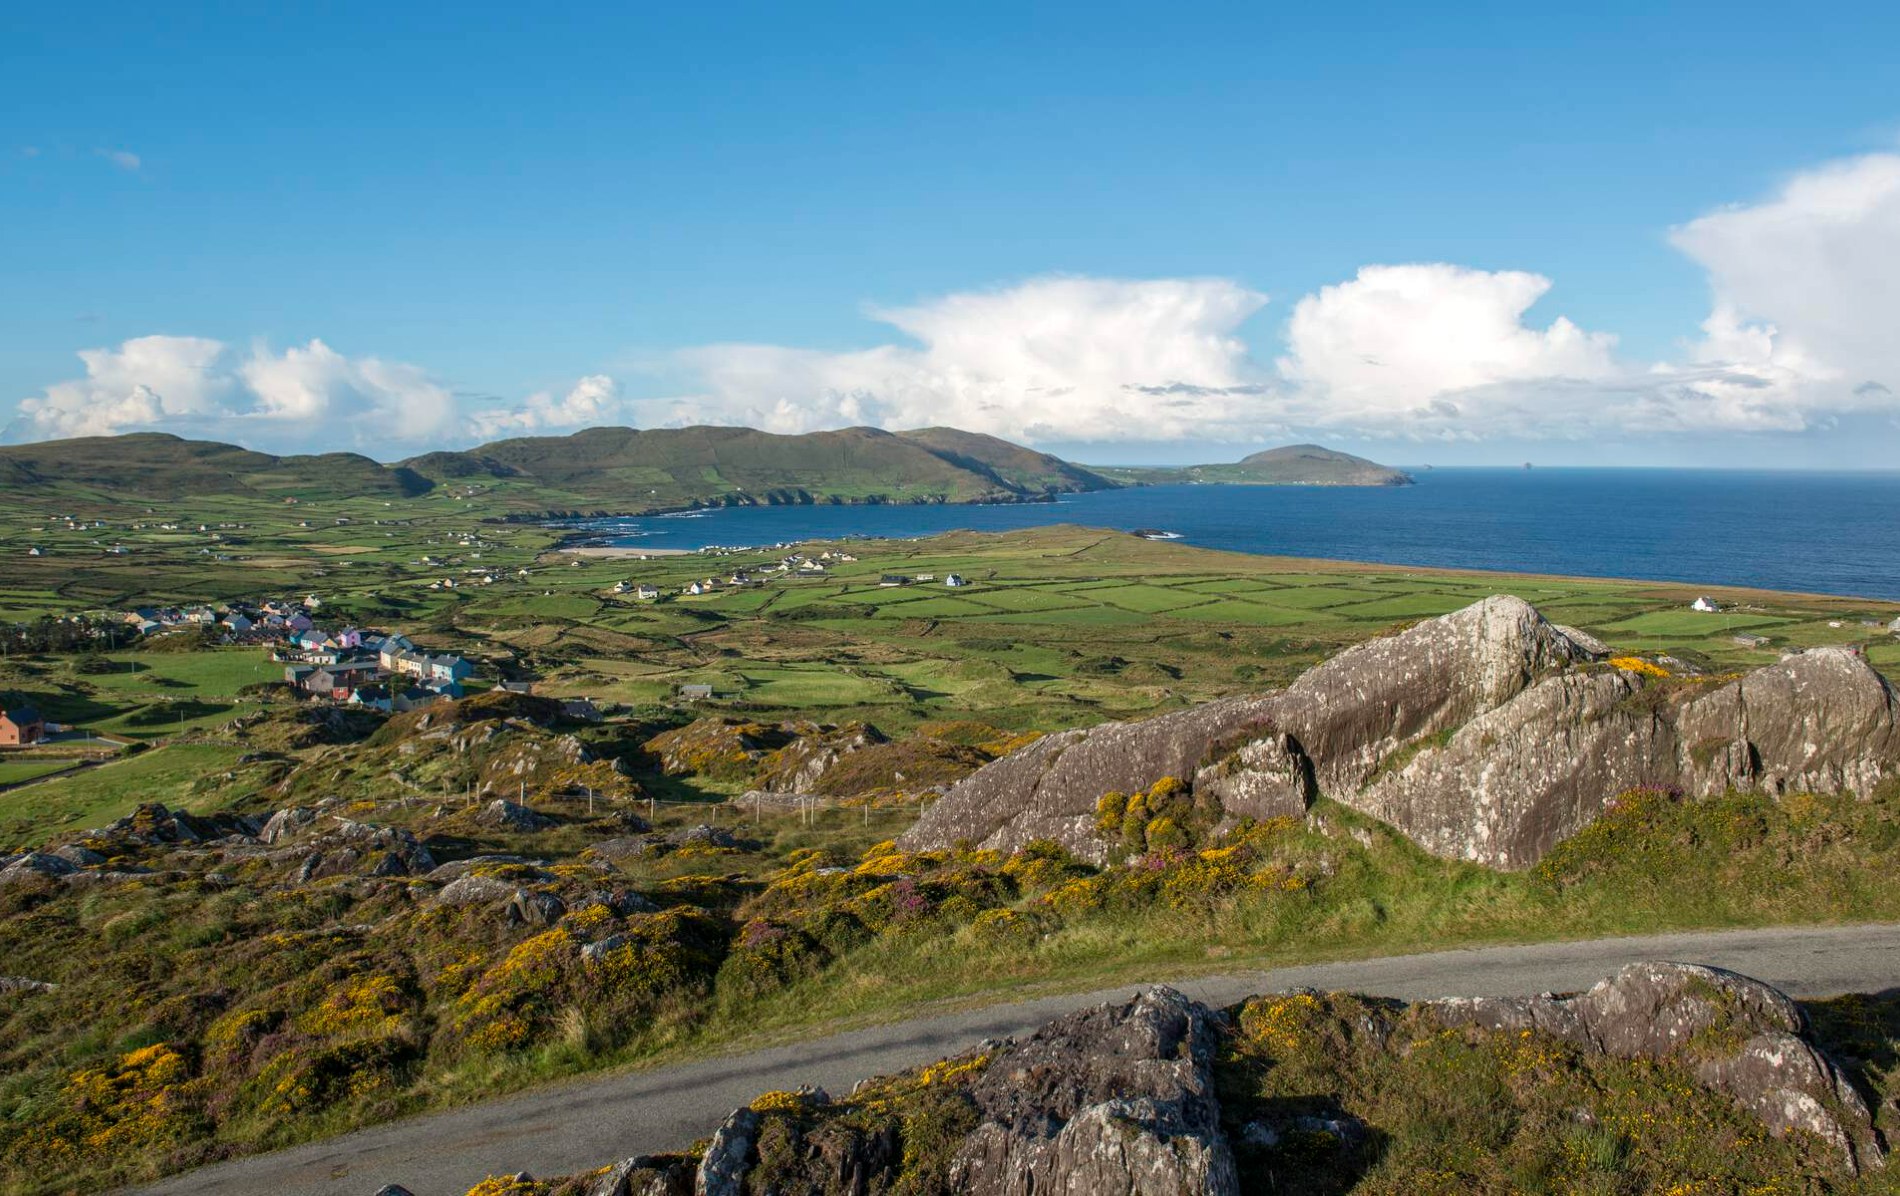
column 620, row 550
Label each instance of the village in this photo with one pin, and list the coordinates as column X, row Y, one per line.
column 350, row 665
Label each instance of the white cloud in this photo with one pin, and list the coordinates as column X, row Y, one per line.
column 593, row 401
column 1399, row 347
column 308, row 398
column 125, row 160
column 145, row 382
column 1805, row 288
column 1049, row 359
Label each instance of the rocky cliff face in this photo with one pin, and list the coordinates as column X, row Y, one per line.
column 1488, row 734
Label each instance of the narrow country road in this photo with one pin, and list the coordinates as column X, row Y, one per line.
column 591, row 1121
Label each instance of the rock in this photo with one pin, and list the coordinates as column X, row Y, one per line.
column 1589, row 645
column 33, row 865
column 346, row 848
column 1115, row 1099
column 643, row 1176
column 393, row 1190
column 1048, row 790
column 509, row 816
column 723, row 1168
column 625, row 847
column 79, row 856
column 475, row 890
column 457, row 869
column 800, row 765
column 1820, row 721
column 702, row 836
column 1263, row 778
column 1734, row 1034
column 527, row 907
column 286, row 822
column 20, row 984
column 1480, row 734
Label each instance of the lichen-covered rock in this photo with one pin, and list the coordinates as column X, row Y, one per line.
column 800, row 765
column 1048, row 790
column 1479, row 734
column 1734, row 1034
column 722, row 1170
column 1516, row 780
column 475, row 889
column 1109, row 1101
column 34, row 865
column 1820, row 721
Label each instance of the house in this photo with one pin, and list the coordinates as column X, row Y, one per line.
column 622, row 587
column 646, row 593
column 1705, row 604
column 581, row 709
column 696, row 693
column 238, row 623
column 36, row 550
column 892, row 580
column 21, row 725
column 701, row 587
column 516, row 687
column 955, row 581
column 446, row 670
column 926, row 577
column 1752, row 641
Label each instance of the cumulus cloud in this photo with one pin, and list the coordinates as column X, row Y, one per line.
column 305, row 398
column 1053, row 358
column 593, row 401
column 1805, row 287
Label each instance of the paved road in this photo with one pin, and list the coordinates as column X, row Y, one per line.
column 588, row 1122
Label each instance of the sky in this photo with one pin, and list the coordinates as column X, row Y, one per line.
column 1615, row 234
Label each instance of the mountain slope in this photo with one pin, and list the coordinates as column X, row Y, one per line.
column 143, row 466
column 626, row 469
column 1011, row 464
column 620, row 470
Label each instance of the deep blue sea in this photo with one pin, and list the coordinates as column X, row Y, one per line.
column 1835, row 533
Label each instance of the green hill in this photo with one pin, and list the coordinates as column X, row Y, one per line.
column 617, row 470
column 147, row 466
column 1291, row 465
column 1010, row 464
column 625, row 469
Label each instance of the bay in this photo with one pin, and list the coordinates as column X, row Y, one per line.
column 1834, row 533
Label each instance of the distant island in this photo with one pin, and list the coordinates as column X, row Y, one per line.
column 1291, row 465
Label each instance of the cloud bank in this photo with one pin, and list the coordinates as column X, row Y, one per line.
column 1803, row 287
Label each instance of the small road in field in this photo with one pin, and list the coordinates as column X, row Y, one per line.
column 591, row 1121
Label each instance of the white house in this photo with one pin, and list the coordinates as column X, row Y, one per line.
column 1705, row 604
column 955, row 581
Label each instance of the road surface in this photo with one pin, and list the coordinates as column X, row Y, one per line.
column 591, row 1121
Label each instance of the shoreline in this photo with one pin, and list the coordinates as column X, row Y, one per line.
column 619, row 550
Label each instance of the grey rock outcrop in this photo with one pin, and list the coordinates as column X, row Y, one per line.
column 1734, row 1034
column 723, row 1168
column 1116, row 1100
column 1483, row 735
column 32, row 866
column 506, row 815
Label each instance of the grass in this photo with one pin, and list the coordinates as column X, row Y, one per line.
column 96, row 796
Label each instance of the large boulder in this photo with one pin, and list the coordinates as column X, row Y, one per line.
column 1048, row 790
column 1113, row 1100
column 1487, row 734
column 1734, row 1034
column 1821, row 721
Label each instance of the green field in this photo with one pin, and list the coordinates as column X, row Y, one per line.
column 174, row 775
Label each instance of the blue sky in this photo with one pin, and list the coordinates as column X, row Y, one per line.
column 496, row 219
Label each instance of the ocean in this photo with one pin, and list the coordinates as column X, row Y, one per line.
column 1833, row 533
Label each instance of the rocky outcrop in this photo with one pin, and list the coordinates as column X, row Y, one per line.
column 1120, row 1099
column 1735, row 1035
column 506, row 815
column 800, row 765
column 1111, row 1101
column 1487, row 734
